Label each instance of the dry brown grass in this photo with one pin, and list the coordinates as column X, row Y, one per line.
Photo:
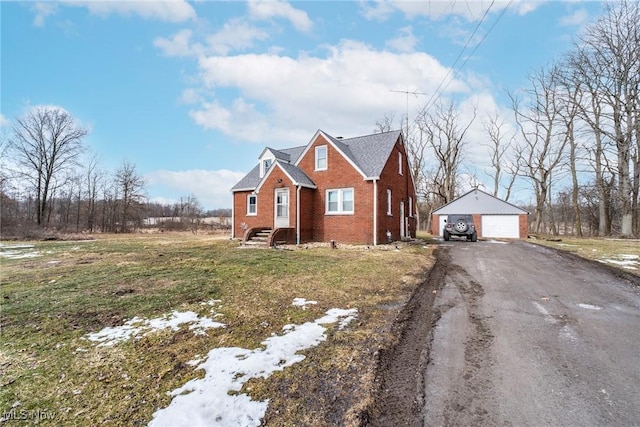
column 51, row 302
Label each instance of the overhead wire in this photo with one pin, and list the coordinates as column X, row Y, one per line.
column 442, row 86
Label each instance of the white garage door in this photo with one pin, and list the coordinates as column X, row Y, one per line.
column 443, row 222
column 507, row 226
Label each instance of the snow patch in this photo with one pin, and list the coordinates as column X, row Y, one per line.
column 215, row 400
column 17, row 251
column 136, row 326
column 301, row 302
column 627, row 261
column 590, row 306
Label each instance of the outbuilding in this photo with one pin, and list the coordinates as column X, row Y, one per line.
column 493, row 217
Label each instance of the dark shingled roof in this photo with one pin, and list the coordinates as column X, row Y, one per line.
column 369, row 153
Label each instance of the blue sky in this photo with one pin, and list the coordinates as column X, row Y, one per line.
column 191, row 92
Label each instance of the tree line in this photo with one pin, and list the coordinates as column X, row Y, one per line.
column 573, row 135
column 48, row 182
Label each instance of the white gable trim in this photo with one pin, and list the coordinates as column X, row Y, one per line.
column 279, row 166
column 329, row 141
column 507, row 208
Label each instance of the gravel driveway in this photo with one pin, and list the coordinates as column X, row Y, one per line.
column 530, row 336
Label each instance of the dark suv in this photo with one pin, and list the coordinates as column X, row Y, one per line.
column 460, row 225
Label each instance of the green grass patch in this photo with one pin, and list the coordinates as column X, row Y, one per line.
column 50, row 302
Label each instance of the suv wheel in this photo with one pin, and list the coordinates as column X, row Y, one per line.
column 461, row 226
column 474, row 237
column 446, row 236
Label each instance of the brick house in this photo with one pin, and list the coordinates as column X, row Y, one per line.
column 357, row 190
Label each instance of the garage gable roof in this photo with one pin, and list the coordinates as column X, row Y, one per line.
column 478, row 202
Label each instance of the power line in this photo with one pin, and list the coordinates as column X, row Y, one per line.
column 440, row 89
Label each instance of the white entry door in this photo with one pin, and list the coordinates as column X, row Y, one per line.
column 281, row 219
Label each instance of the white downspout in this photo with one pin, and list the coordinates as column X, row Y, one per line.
column 233, row 217
column 375, row 212
column 298, row 214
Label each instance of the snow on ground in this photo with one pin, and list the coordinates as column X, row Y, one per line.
column 136, row 326
column 301, row 302
column 630, row 262
column 17, row 251
column 215, row 399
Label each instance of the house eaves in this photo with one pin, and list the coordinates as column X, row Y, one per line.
column 295, row 175
column 249, row 182
column 338, row 145
column 479, row 202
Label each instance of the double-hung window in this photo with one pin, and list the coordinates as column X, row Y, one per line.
column 399, row 163
column 252, row 204
column 339, row 201
column 389, row 212
column 321, row 158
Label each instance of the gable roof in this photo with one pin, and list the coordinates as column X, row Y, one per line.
column 251, row 180
column 367, row 154
column 477, row 201
column 295, row 174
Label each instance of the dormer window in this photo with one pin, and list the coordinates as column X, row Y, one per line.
column 265, row 164
column 321, row 158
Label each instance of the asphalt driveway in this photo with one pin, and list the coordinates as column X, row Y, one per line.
column 530, row 336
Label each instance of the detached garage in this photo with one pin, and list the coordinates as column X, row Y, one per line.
column 493, row 218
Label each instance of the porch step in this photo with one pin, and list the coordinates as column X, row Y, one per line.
column 261, row 238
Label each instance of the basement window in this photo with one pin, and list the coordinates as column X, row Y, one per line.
column 339, row 201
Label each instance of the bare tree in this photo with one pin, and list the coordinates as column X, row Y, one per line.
column 501, row 141
column 93, row 178
column 611, row 50
column 130, row 187
column 543, row 139
column 45, row 142
column 446, row 135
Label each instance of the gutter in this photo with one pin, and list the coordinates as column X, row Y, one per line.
column 298, row 214
column 233, row 216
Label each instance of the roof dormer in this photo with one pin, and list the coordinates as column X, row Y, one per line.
column 268, row 156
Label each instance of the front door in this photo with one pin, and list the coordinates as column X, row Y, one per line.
column 281, row 198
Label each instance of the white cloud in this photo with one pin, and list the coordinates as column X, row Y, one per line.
column 264, row 10
column 42, row 11
column 162, row 10
column 211, row 188
column 405, row 42
column 4, row 121
column 179, row 44
column 576, row 19
column 292, row 97
column 235, row 35
column 472, row 11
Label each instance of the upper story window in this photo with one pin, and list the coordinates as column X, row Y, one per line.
column 410, row 206
column 400, row 163
column 340, row 201
column 252, row 204
column 265, row 164
column 321, row 158
column 389, row 203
